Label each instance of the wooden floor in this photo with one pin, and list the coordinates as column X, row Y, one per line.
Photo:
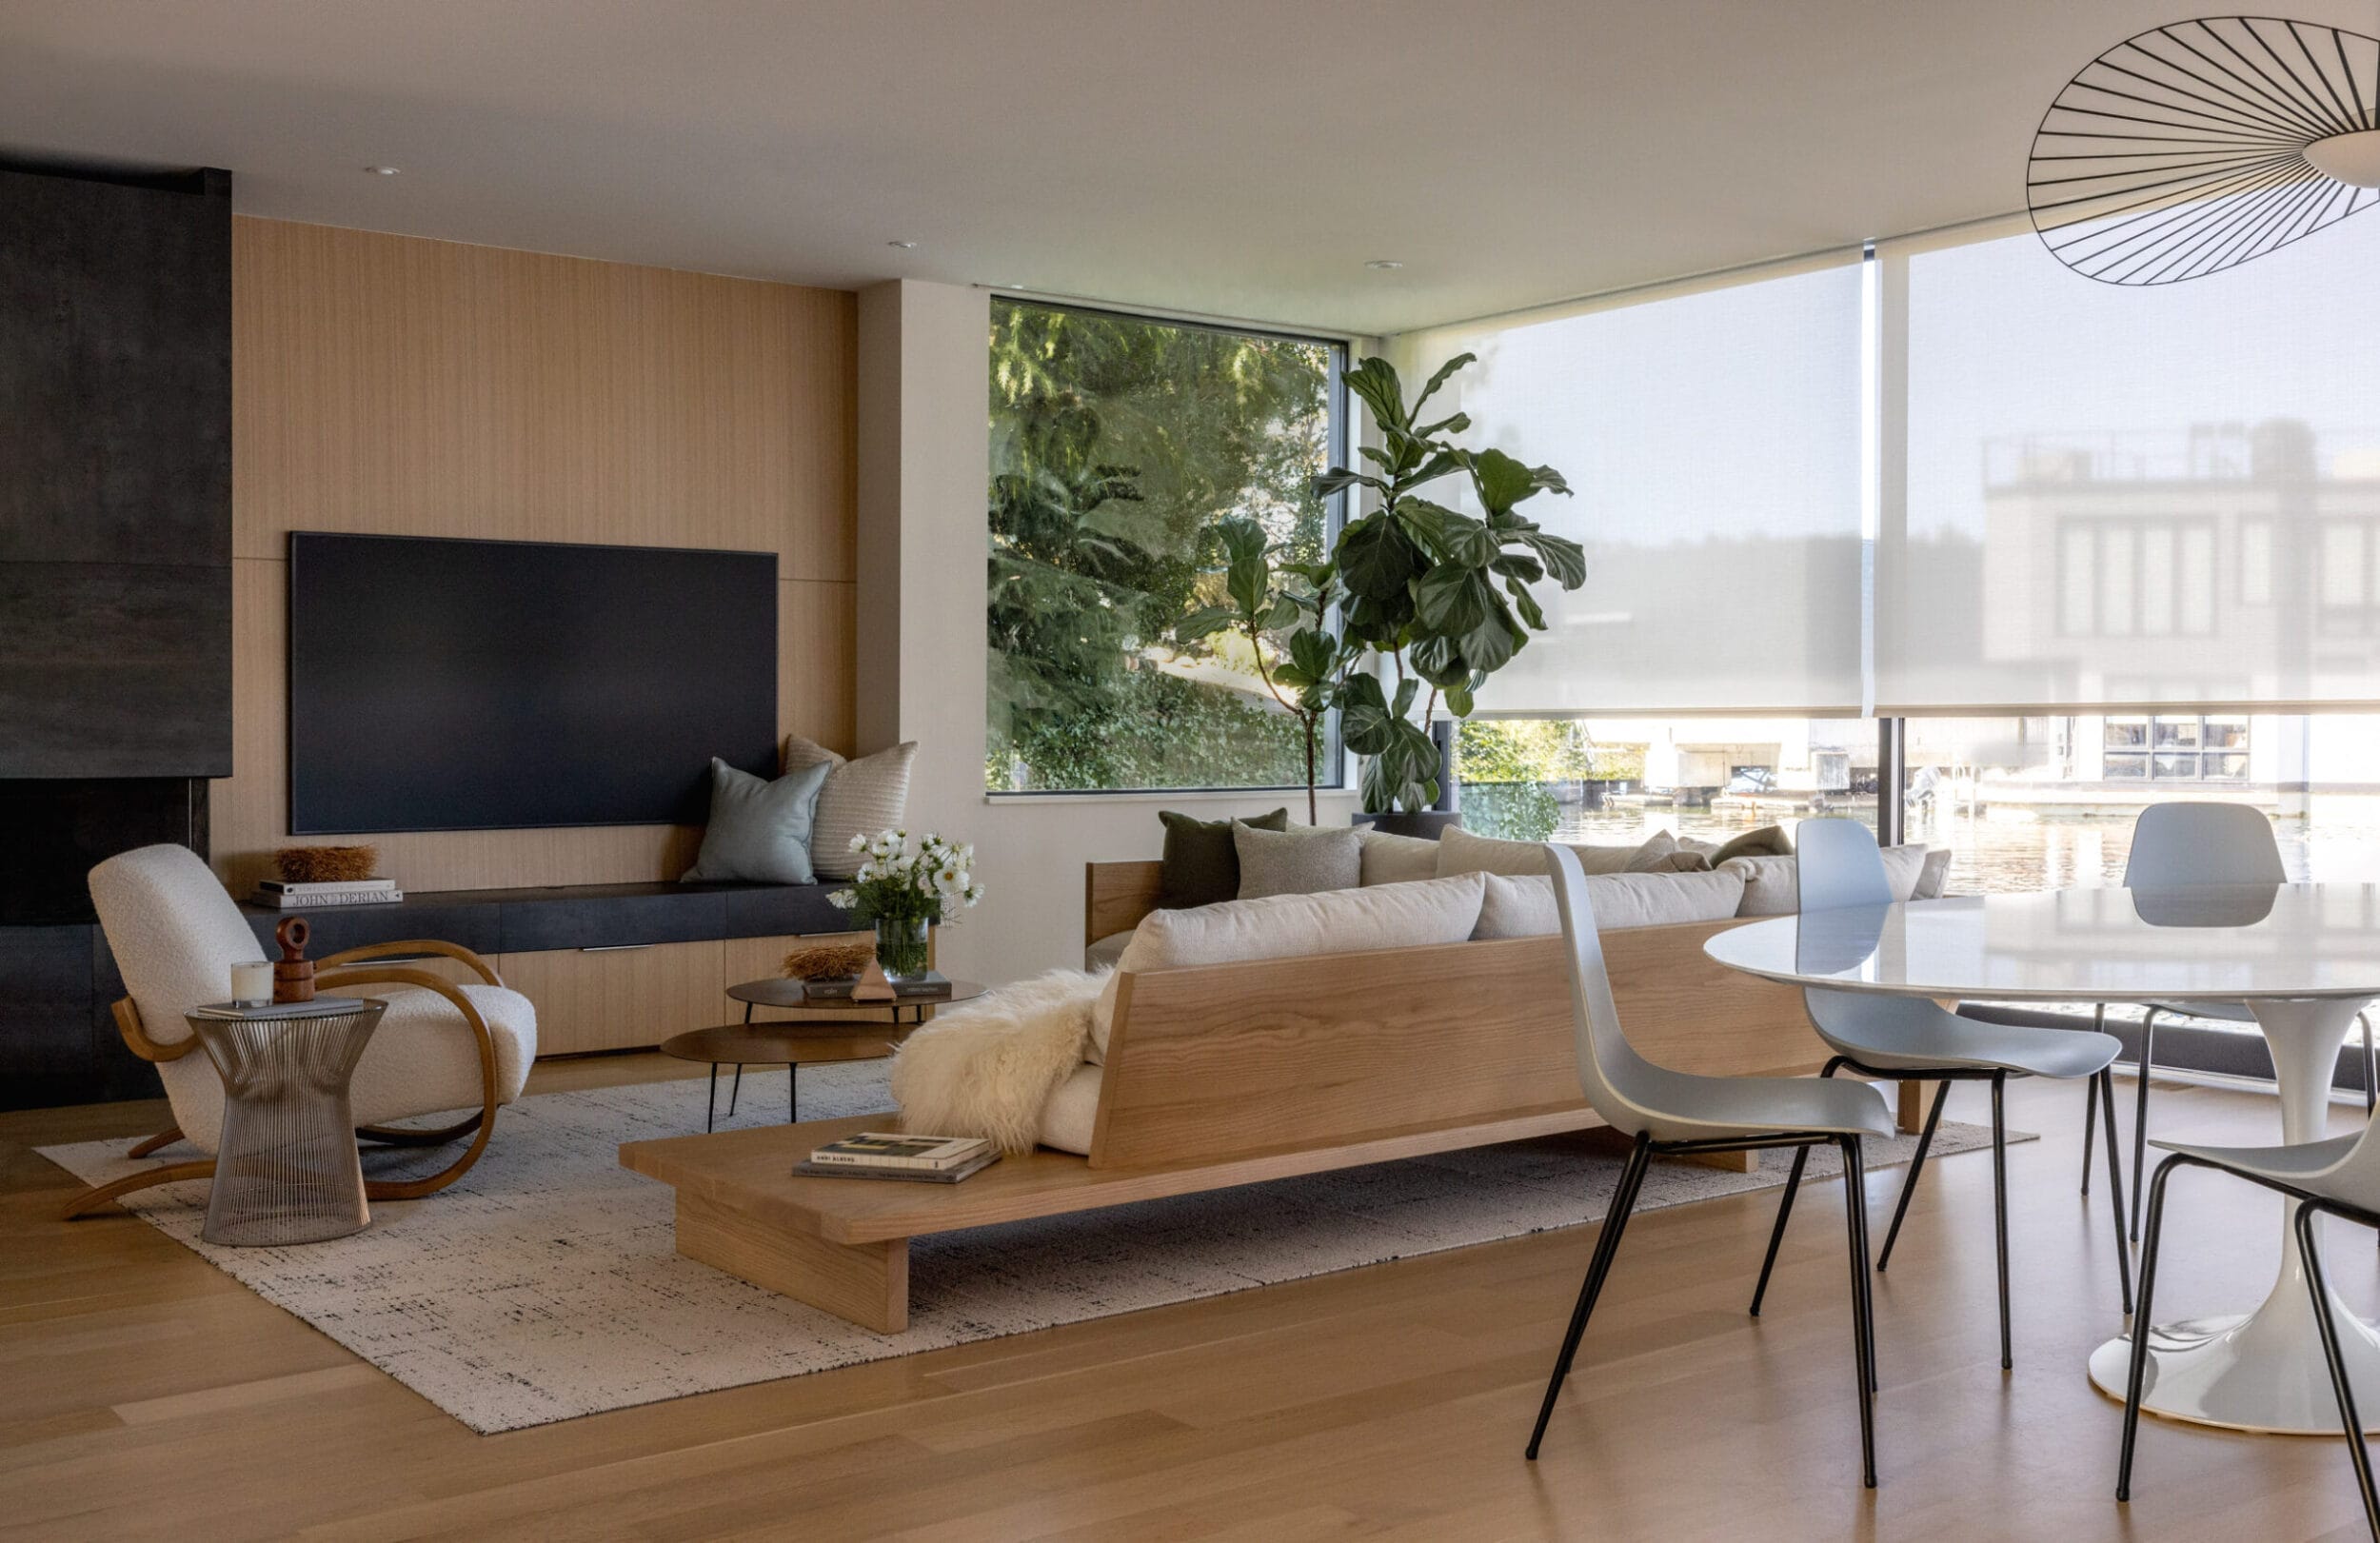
column 142, row 1394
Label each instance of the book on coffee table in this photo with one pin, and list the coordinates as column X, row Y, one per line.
column 892, row 1149
column 913, row 1176
column 931, row 986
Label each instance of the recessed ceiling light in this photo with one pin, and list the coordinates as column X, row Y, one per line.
column 383, row 171
column 905, row 246
column 1383, row 264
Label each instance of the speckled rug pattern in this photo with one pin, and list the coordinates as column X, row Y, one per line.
column 544, row 1285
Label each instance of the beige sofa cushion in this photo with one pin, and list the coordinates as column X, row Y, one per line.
column 1072, row 1112
column 1523, row 905
column 1773, row 884
column 1396, row 860
column 1458, row 851
column 1103, row 953
column 1280, row 926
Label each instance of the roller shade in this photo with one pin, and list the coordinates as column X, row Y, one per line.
column 2104, row 497
column 1713, row 435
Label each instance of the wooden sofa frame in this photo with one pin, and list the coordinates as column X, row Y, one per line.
column 1233, row 1074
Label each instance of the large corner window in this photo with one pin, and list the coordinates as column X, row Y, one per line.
column 1116, row 443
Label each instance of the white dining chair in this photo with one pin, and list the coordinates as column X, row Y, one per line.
column 1910, row 1038
column 2339, row 1177
column 2180, row 846
column 1678, row 1113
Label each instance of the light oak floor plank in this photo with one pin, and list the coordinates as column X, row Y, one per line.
column 147, row 1394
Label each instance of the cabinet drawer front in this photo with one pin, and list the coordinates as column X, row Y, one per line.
column 619, row 998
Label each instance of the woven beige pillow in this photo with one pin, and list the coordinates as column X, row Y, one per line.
column 860, row 798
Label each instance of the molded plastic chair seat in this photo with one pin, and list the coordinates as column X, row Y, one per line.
column 1682, row 1114
column 1881, row 1034
column 1904, row 1034
column 2304, row 1166
column 2223, row 1011
column 2339, row 1176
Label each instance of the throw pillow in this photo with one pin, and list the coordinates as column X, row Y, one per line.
column 1396, row 860
column 1201, row 866
column 1459, row 851
column 759, row 830
column 1283, row 926
column 860, row 798
column 1680, row 861
column 1769, row 840
column 1523, row 907
column 1654, row 856
column 1308, row 860
column 1933, row 876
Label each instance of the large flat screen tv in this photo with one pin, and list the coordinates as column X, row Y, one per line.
column 440, row 685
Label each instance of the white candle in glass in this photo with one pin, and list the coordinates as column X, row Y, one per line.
column 251, row 984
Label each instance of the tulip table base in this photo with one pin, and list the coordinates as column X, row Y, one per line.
column 2264, row 1371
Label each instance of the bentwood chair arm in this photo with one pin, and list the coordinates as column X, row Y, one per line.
column 138, row 1040
column 408, row 948
column 428, row 980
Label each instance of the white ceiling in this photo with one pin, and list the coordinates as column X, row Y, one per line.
column 1239, row 158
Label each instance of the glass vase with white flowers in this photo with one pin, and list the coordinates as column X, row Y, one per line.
column 901, row 891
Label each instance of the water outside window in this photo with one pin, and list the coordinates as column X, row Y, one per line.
column 2024, row 804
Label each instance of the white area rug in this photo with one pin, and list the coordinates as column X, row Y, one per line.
column 544, row 1285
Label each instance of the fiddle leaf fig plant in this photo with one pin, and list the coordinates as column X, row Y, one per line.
column 1441, row 599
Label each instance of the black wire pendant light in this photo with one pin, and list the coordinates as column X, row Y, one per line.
column 2196, row 147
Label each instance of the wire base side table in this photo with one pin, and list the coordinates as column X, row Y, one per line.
column 286, row 1167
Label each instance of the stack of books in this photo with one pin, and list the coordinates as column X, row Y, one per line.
column 930, row 1159
column 929, row 987
column 285, row 896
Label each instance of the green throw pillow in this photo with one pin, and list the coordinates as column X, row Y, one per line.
column 759, row 830
column 1769, row 840
column 1202, row 865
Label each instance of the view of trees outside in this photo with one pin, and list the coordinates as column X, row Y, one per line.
column 1117, row 441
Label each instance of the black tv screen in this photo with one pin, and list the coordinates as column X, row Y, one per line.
column 439, row 684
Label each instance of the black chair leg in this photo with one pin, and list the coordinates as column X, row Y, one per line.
column 2140, row 1113
column 2090, row 1102
column 1785, row 1206
column 2307, row 1213
column 2141, row 1326
column 1862, row 1302
column 1999, row 1205
column 2106, row 1079
column 1606, row 1246
column 1916, row 1166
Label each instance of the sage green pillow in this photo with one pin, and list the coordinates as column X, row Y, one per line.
column 759, row 830
column 1201, row 866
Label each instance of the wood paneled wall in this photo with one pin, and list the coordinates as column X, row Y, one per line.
column 397, row 386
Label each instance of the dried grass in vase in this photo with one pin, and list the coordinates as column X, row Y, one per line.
column 324, row 865
column 828, row 962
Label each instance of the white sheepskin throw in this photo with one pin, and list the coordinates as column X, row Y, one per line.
column 985, row 1068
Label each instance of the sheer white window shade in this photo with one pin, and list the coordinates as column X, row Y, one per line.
column 1711, row 435
column 2071, row 468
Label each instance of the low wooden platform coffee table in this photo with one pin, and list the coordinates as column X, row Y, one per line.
column 792, row 1044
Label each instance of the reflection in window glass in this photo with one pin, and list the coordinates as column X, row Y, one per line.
column 2115, row 581
column 2255, row 562
column 2342, row 563
column 1117, row 441
column 2077, row 580
column 2196, row 589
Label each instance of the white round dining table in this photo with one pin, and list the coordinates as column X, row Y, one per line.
column 2305, row 959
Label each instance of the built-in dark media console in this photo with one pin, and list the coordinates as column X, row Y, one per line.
column 440, row 685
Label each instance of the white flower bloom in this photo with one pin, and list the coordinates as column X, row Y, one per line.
column 842, row 900
column 859, row 843
column 867, row 871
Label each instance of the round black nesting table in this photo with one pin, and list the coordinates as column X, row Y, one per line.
column 791, row 1043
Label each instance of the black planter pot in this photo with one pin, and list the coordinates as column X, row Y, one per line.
column 1427, row 823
